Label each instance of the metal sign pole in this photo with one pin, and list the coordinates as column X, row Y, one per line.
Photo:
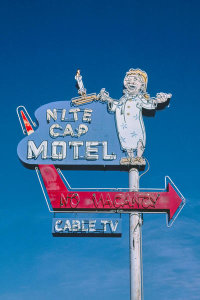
column 135, row 234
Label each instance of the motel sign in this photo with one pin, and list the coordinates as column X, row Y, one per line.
column 97, row 132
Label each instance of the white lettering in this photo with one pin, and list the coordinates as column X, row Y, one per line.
column 63, row 152
column 51, row 130
column 51, row 114
column 63, row 119
column 104, row 222
column 68, row 130
column 75, row 111
column 82, row 129
column 63, row 114
column 105, row 152
column 113, row 227
column 92, row 225
column 34, row 152
column 90, row 150
column 57, row 229
column 76, row 145
column 59, row 149
column 76, row 225
column 67, row 226
column 83, row 226
column 87, row 115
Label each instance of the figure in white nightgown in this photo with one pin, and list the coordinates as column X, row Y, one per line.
column 128, row 114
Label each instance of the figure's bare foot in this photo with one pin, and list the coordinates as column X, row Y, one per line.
column 125, row 161
column 137, row 161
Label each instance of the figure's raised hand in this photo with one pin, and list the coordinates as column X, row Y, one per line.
column 162, row 97
column 103, row 95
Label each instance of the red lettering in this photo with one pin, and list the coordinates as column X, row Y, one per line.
column 117, row 200
column 75, row 200
column 127, row 200
column 70, row 200
column 63, row 200
column 147, row 201
column 96, row 202
column 108, row 201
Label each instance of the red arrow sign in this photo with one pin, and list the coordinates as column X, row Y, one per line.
column 64, row 200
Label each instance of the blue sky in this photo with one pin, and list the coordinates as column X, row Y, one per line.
column 42, row 45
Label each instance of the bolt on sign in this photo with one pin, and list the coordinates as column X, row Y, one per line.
column 95, row 131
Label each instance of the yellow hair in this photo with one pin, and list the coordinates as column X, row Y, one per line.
column 138, row 71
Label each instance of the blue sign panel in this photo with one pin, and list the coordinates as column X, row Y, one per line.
column 86, row 227
column 93, row 130
column 69, row 136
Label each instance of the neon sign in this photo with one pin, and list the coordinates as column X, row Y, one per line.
column 86, row 133
column 86, row 227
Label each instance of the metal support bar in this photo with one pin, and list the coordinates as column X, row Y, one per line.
column 135, row 237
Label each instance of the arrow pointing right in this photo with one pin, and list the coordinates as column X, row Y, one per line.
column 62, row 199
column 175, row 201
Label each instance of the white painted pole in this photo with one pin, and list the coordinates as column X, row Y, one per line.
column 135, row 236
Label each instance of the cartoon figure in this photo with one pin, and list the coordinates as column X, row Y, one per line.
column 128, row 114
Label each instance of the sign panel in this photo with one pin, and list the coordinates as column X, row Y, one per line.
column 62, row 199
column 69, row 136
column 81, row 227
column 93, row 131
